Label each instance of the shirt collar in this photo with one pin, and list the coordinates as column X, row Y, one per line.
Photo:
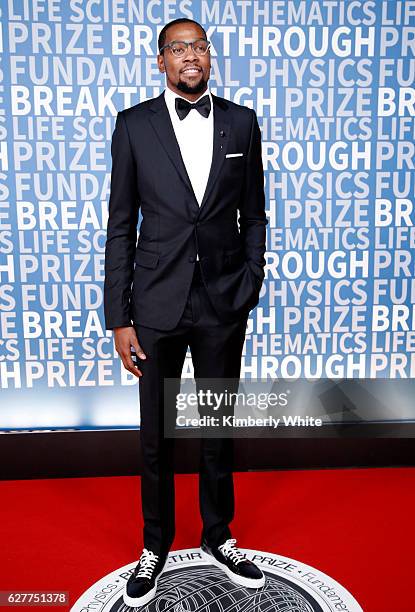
column 170, row 95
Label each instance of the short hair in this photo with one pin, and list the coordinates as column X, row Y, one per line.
column 162, row 35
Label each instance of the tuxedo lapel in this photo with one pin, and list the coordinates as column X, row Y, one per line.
column 163, row 127
column 161, row 122
column 221, row 134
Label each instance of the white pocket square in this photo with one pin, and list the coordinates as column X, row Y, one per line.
column 234, row 155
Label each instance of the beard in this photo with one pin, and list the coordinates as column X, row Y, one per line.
column 192, row 89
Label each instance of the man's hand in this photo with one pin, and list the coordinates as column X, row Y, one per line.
column 125, row 338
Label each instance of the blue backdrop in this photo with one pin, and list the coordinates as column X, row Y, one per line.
column 332, row 85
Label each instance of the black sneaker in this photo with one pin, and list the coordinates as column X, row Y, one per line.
column 234, row 563
column 142, row 584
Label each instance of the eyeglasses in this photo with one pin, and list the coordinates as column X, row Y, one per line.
column 179, row 47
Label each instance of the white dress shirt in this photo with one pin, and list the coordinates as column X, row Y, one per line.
column 194, row 135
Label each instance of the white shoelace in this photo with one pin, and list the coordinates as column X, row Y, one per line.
column 148, row 561
column 229, row 550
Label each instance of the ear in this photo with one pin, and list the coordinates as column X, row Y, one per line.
column 160, row 63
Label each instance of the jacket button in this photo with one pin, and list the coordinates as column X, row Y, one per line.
column 192, row 259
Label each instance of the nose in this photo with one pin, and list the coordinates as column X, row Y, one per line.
column 190, row 53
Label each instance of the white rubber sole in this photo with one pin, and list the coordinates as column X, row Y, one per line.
column 251, row 583
column 136, row 602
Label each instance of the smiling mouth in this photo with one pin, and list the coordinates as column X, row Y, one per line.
column 191, row 71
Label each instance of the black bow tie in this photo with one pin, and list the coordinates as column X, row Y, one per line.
column 183, row 107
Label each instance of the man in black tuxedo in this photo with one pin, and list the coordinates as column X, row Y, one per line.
column 192, row 161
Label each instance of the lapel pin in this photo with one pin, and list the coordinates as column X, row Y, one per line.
column 222, row 133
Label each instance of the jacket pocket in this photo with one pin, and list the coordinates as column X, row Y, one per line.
column 147, row 259
column 233, row 257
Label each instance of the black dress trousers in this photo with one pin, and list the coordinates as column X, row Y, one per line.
column 216, row 350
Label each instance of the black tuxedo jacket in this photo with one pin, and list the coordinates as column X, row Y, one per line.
column 148, row 172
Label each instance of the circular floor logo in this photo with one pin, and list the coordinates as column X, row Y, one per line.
column 189, row 584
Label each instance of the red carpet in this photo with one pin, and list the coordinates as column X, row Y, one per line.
column 355, row 525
